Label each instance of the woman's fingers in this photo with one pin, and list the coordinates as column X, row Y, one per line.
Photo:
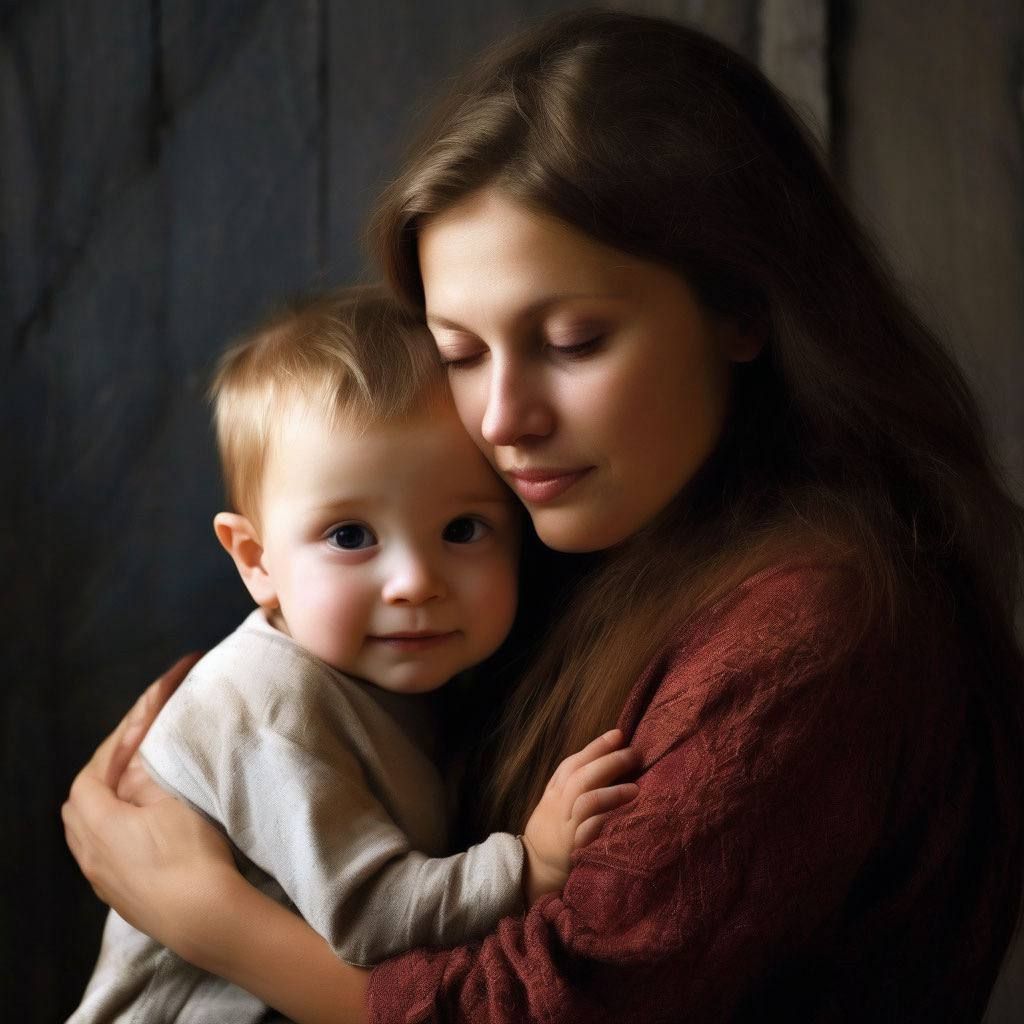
column 136, row 785
column 114, row 753
column 89, row 802
column 92, row 805
column 605, row 743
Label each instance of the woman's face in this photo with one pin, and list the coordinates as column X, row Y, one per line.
column 594, row 381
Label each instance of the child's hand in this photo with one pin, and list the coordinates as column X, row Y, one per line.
column 572, row 809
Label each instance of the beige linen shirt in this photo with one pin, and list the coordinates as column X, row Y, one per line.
column 323, row 784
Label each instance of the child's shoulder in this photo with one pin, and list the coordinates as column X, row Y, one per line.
column 257, row 673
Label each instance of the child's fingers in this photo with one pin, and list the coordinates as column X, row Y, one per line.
column 607, row 800
column 604, row 743
column 589, row 830
column 596, row 802
column 600, row 772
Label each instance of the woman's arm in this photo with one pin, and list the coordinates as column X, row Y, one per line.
column 240, row 934
column 171, row 875
column 262, row 947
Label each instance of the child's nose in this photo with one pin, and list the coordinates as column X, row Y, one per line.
column 413, row 581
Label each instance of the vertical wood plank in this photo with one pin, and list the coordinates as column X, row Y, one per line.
column 240, row 152
column 792, row 52
column 74, row 136
column 163, row 193
column 385, row 65
column 734, row 22
column 932, row 151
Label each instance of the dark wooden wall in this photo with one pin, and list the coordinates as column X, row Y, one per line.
column 170, row 167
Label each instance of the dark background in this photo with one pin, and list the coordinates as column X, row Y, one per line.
column 170, row 167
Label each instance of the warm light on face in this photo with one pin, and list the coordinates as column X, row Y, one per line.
column 594, row 382
column 392, row 550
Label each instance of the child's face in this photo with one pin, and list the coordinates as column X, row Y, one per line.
column 393, row 550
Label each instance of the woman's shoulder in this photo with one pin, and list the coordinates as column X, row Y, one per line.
column 813, row 605
column 789, row 631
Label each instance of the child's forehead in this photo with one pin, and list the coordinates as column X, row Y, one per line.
column 300, row 418
column 427, row 448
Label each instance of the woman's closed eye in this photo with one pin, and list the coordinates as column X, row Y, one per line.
column 577, row 349
column 351, row 537
column 461, row 361
column 465, row 530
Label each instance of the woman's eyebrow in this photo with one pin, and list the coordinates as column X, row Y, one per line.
column 451, row 325
column 530, row 311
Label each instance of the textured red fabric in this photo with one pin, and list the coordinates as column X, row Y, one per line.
column 791, row 854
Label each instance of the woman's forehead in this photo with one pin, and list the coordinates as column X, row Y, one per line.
column 489, row 249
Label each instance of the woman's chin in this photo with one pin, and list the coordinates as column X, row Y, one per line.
column 574, row 533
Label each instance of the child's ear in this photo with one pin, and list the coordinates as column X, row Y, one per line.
column 241, row 541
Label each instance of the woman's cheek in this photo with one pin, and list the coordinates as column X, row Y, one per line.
column 495, row 599
column 469, row 392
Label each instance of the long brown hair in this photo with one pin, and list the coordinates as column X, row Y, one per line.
column 853, row 430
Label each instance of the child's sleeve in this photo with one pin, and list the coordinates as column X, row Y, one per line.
column 295, row 800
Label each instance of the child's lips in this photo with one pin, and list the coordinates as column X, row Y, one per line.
column 415, row 640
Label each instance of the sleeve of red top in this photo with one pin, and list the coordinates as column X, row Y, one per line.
column 762, row 790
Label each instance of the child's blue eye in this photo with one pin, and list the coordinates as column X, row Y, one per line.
column 352, row 537
column 464, row 530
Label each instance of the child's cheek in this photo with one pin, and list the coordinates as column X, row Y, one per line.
column 334, row 617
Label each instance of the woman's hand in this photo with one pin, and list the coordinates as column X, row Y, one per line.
column 572, row 809
column 170, row 873
column 151, row 859
column 116, row 751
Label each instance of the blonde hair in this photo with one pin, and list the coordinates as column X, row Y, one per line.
column 350, row 352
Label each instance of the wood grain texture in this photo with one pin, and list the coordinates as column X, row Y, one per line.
column 932, row 152
column 156, row 208
column 793, row 53
column 76, row 81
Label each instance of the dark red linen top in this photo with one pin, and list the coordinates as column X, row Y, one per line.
column 795, row 852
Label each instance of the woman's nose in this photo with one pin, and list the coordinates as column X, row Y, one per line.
column 516, row 407
column 413, row 580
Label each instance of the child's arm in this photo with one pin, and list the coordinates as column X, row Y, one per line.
column 572, row 809
column 294, row 798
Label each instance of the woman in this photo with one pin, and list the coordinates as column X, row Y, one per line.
column 666, row 332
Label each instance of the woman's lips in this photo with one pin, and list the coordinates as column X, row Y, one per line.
column 539, row 485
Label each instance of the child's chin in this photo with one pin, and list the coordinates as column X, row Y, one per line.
column 412, row 683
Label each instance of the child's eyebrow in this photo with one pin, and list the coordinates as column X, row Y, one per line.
column 340, row 504
column 361, row 501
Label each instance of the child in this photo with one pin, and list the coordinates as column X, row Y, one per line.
column 382, row 552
